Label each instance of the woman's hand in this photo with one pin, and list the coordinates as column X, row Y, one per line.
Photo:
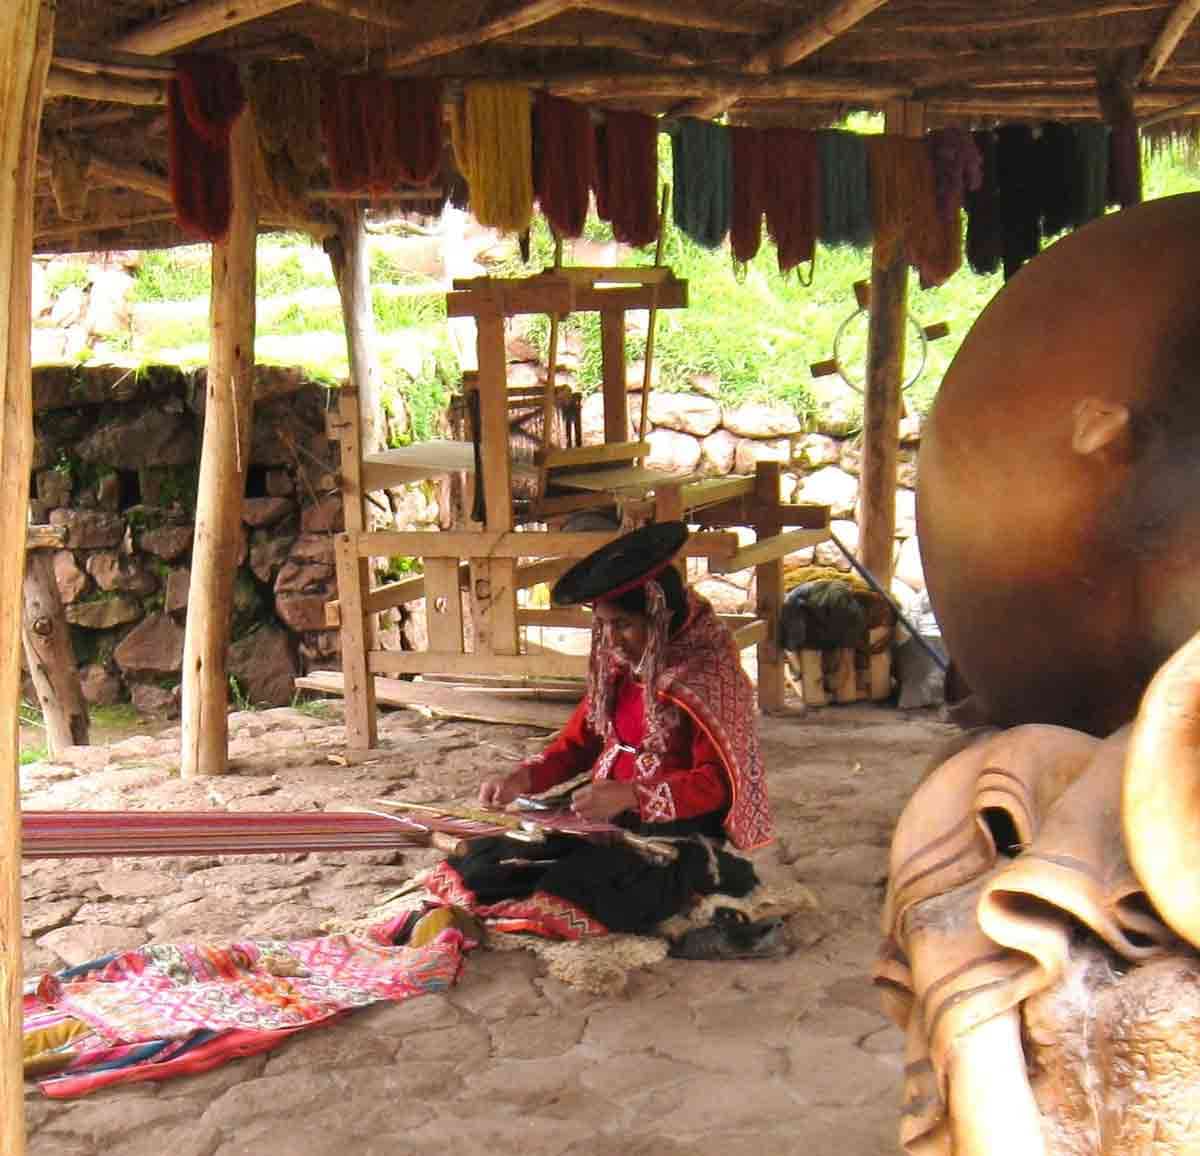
column 603, row 800
column 499, row 792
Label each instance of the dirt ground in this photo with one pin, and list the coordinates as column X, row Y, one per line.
column 739, row 1058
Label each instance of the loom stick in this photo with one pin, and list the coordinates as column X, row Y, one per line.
column 648, row 367
column 552, row 365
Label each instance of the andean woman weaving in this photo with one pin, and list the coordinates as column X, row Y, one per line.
column 667, row 730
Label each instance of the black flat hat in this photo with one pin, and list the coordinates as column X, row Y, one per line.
column 622, row 565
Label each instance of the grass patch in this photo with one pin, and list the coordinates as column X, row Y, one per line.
column 395, row 311
column 296, row 319
column 172, row 275
column 175, row 333
column 119, row 714
column 60, row 277
column 279, row 278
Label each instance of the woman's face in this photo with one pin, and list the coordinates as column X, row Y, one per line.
column 626, row 630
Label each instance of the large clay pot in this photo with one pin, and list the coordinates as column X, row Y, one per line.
column 1058, row 503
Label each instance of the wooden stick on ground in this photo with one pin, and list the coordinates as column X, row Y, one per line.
column 648, row 368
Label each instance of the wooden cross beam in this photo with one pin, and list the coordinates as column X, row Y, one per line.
column 191, row 22
column 794, row 46
column 1172, row 32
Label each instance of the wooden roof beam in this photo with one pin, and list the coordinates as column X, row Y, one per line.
column 129, row 176
column 1174, row 112
column 534, row 12
column 196, row 21
column 80, row 85
column 522, row 16
column 795, row 46
column 96, row 62
column 1172, row 32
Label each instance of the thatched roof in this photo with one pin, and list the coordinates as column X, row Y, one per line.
column 761, row 61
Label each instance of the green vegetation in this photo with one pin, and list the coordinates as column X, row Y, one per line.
column 173, row 274
column 64, row 274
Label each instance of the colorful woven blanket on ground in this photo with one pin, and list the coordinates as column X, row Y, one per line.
column 164, row 1010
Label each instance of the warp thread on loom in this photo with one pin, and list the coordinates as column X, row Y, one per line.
column 204, row 98
column 564, row 162
column 493, row 146
column 626, row 181
column 702, row 175
column 749, row 191
column 845, row 188
column 793, row 194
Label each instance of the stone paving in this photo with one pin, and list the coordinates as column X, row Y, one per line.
column 738, row 1058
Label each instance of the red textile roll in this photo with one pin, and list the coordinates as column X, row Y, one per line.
column 749, row 191
column 564, row 162
column 792, row 194
column 201, row 192
column 627, row 176
column 380, row 132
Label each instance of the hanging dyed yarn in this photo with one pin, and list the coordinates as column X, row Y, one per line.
column 702, row 175
column 564, row 161
column 1089, row 172
column 285, row 97
column 793, row 194
column 626, row 181
column 904, row 202
column 1058, row 172
column 845, row 188
column 204, row 98
column 493, row 146
column 985, row 241
column 748, row 159
column 957, row 168
column 380, row 132
column 1018, row 159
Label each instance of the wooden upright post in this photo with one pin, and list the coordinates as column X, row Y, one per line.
column 612, row 371
column 350, row 258
column 51, row 657
column 229, row 411
column 885, row 376
column 26, row 33
column 769, row 595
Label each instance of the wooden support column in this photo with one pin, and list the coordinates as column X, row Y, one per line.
column 612, row 372
column 350, row 258
column 885, row 375
column 51, row 657
column 493, row 580
column 224, row 456
column 768, row 577
column 354, row 581
column 26, row 32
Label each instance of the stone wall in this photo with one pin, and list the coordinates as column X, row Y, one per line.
column 116, row 463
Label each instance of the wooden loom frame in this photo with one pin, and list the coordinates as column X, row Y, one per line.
column 493, row 563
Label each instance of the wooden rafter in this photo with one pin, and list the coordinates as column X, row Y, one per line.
column 523, row 16
column 623, row 40
column 195, row 21
column 129, row 176
column 1028, row 20
column 82, row 86
column 95, row 61
column 1172, row 112
column 793, row 47
column 1173, row 31
column 681, row 16
column 668, row 84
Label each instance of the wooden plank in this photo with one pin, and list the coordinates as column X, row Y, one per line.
column 623, row 451
column 767, row 554
column 421, row 460
column 534, row 573
column 612, row 299
column 769, row 549
column 752, row 634
column 224, row 460
column 515, row 544
column 495, row 297
column 26, row 32
column 625, row 481
column 586, row 275
column 187, row 23
column 361, row 734
column 562, row 616
column 547, row 665
column 710, row 491
column 612, row 370
column 745, row 512
column 443, row 605
column 454, row 702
